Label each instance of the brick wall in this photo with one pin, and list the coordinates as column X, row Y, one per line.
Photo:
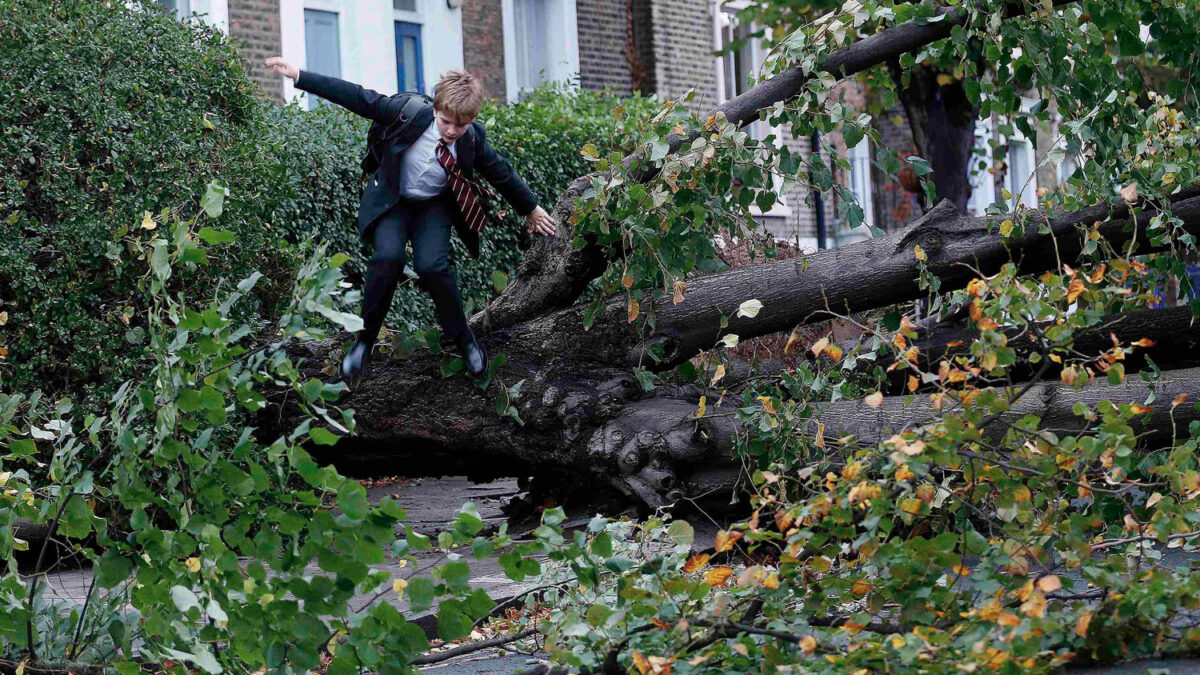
column 682, row 33
column 483, row 44
column 254, row 24
column 603, row 31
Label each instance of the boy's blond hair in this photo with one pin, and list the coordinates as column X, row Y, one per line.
column 459, row 93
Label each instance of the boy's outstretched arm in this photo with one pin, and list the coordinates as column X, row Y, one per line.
column 504, row 178
column 355, row 98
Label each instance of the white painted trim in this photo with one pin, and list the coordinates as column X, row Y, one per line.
column 511, row 89
column 716, row 11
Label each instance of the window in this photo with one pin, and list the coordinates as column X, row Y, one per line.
column 860, row 179
column 404, row 5
column 1021, row 178
column 533, row 58
column 733, row 78
column 983, row 186
column 409, row 68
column 181, row 7
column 322, row 48
column 735, row 68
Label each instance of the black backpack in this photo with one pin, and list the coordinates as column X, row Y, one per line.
column 378, row 136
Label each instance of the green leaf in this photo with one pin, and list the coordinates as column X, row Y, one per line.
column 681, row 532
column 213, row 201
column 420, row 593
column 453, row 621
column 112, row 569
column 322, row 436
column 499, row 281
column 214, row 236
column 184, row 599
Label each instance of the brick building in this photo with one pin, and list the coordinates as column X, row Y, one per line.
column 656, row 47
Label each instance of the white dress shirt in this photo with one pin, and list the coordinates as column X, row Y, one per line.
column 421, row 174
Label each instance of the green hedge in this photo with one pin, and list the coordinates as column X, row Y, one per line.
column 108, row 112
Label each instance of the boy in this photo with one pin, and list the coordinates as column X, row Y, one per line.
column 427, row 158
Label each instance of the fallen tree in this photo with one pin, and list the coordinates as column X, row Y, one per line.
column 576, row 392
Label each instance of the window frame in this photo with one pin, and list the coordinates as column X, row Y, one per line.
column 311, row 101
column 758, row 129
column 399, row 28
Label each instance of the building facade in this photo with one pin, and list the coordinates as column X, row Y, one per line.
column 655, row 47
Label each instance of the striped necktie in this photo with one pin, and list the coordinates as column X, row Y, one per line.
column 464, row 191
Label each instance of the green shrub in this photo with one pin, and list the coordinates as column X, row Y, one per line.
column 109, row 112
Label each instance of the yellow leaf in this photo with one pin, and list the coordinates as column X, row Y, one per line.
column 720, row 372
column 1035, row 606
column 696, row 562
column 148, row 221
column 771, row 582
column 1180, row 399
column 808, row 644
column 768, row 405
column 944, row 79
column 627, row 281
column 898, row 641
column 725, row 540
column 919, row 253
column 3, row 318
column 1009, row 619
column 703, row 406
column 1049, row 583
column 874, row 400
column 1006, row 228
column 792, row 339
column 977, row 287
column 860, row 587
column 1082, row 623
column 193, row 565
column 911, row 506
column 634, row 308
column 1144, row 342
column 398, row 585
column 679, row 289
column 641, row 662
column 717, row 576
column 819, row 346
column 834, row 352
column 740, row 648
column 1130, row 193
column 1139, row 409
column 913, row 383
column 1074, row 290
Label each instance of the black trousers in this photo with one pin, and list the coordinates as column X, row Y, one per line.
column 427, row 223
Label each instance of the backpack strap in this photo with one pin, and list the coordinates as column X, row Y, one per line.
column 408, row 111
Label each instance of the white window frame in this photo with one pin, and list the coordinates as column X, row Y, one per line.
column 563, row 45
column 758, row 129
column 214, row 12
column 860, row 184
column 1018, row 186
column 983, row 180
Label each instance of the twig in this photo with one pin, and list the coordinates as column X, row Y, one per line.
column 471, row 647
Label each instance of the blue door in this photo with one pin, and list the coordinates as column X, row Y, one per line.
column 410, row 72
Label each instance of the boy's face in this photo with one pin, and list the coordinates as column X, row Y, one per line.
column 450, row 125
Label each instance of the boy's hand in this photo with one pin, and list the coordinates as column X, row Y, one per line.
column 540, row 221
column 281, row 67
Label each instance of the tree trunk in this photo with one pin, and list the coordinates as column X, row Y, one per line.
column 942, row 120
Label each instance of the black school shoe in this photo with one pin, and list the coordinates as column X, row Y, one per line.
column 473, row 354
column 354, row 363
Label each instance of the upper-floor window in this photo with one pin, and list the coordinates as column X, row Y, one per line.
column 181, row 7
column 404, row 5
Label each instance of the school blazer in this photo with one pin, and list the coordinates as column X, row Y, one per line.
column 474, row 154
